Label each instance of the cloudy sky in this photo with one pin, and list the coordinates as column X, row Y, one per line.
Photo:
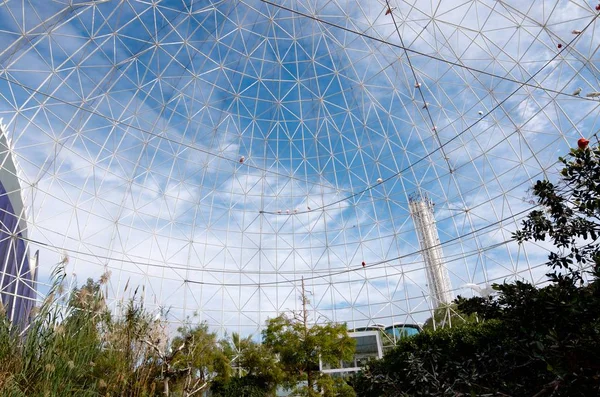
column 129, row 118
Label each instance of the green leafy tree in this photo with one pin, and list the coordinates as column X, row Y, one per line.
column 334, row 387
column 198, row 360
column 299, row 346
column 529, row 341
column 256, row 370
column 569, row 218
column 245, row 386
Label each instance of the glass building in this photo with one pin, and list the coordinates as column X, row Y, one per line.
column 369, row 347
column 398, row 331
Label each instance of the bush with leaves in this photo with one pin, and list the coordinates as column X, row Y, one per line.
column 245, row 386
column 530, row 341
column 447, row 315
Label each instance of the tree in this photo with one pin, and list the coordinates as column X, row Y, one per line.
column 299, row 346
column 255, row 366
column 198, row 360
column 335, row 387
column 529, row 341
column 570, row 217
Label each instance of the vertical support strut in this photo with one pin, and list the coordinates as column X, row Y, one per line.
column 421, row 210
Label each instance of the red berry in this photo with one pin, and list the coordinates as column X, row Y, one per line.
column 598, row 7
column 559, row 45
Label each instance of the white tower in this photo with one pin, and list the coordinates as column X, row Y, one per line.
column 421, row 210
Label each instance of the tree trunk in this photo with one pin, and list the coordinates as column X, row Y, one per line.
column 309, row 377
column 166, row 386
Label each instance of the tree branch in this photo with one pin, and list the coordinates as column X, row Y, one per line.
column 549, row 387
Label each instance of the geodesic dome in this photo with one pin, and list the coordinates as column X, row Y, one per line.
column 219, row 153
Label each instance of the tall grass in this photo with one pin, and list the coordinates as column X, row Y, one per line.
column 75, row 347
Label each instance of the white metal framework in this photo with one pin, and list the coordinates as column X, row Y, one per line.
column 18, row 270
column 421, row 210
column 217, row 152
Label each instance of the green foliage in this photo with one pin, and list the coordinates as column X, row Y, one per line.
column 334, row 387
column 245, row 386
column 436, row 363
column 53, row 357
column 127, row 365
column 75, row 347
column 256, row 368
column 529, row 341
column 447, row 316
column 570, row 219
column 299, row 346
column 198, row 360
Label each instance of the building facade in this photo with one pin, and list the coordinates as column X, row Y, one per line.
column 369, row 347
column 17, row 270
column 372, row 342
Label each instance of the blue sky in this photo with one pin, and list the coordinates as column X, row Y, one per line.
column 129, row 148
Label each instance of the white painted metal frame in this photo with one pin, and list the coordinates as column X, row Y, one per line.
column 129, row 119
column 421, row 209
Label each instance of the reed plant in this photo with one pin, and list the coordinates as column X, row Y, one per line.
column 74, row 346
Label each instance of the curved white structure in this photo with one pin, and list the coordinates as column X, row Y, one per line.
column 17, row 269
column 218, row 152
